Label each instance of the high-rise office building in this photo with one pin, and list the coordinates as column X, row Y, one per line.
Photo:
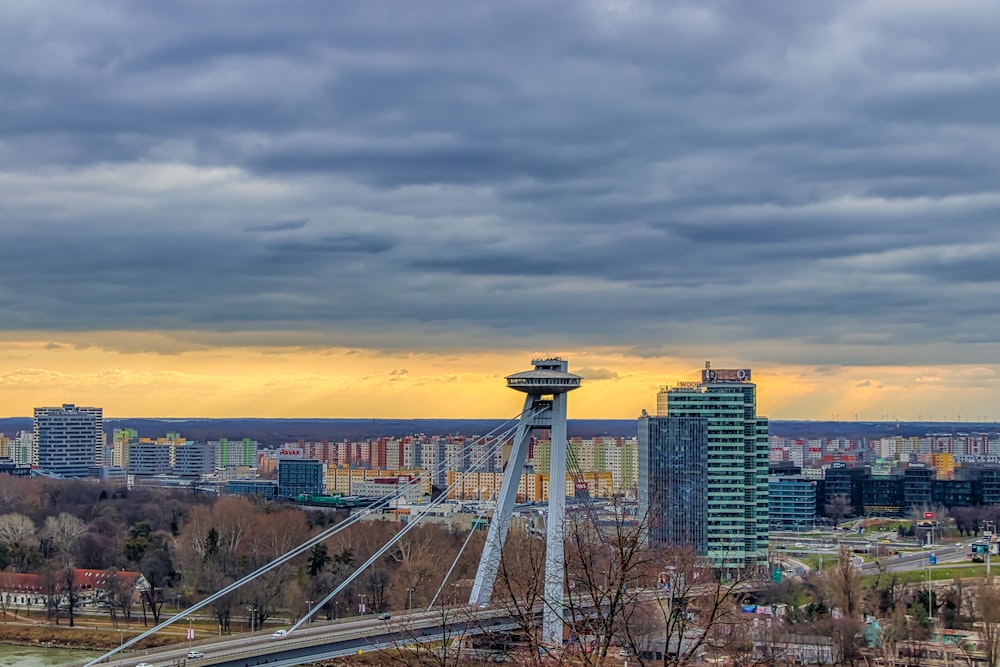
column 673, row 467
column 736, row 456
column 67, row 439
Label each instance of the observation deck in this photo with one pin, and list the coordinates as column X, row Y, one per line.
column 548, row 377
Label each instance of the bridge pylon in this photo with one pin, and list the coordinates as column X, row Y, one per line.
column 546, row 386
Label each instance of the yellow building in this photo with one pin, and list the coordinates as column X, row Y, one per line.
column 944, row 464
column 340, row 479
column 532, row 487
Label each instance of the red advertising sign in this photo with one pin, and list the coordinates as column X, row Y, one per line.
column 928, row 515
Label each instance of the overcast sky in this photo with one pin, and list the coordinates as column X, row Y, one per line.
column 800, row 185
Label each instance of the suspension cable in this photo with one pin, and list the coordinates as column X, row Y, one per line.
column 292, row 553
column 409, row 526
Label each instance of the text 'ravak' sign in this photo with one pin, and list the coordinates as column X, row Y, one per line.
column 290, row 453
column 725, row 375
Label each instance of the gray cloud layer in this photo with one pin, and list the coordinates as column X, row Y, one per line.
column 563, row 173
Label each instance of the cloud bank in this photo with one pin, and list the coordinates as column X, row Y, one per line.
column 797, row 181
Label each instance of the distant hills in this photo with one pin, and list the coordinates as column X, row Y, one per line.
column 277, row 431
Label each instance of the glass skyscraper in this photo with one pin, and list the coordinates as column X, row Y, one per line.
column 735, row 484
column 673, row 467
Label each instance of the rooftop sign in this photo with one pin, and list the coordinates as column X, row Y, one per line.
column 725, row 375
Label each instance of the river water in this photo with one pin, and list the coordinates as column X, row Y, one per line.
column 31, row 656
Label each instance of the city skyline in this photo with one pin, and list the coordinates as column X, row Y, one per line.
column 335, row 210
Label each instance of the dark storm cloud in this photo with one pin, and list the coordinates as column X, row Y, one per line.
column 781, row 176
column 283, row 226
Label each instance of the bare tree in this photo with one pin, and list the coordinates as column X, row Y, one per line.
column 157, row 567
column 17, row 527
column 838, row 508
column 753, row 641
column 847, row 591
column 6, row 585
column 893, row 630
column 63, row 532
column 698, row 606
column 67, row 580
column 447, row 651
column 520, row 585
column 19, row 534
column 988, row 613
column 118, row 595
column 265, row 594
column 49, row 580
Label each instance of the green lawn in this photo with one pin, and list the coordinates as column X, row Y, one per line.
column 938, row 573
column 889, row 525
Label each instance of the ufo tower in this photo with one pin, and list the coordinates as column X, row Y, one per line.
column 546, row 387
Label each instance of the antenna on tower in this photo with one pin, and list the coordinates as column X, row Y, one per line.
column 708, row 364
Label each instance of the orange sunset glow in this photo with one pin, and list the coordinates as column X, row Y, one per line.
column 147, row 374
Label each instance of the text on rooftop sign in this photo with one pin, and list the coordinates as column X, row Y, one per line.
column 725, row 375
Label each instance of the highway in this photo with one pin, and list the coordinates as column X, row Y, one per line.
column 791, row 546
column 916, row 560
column 331, row 639
column 324, row 640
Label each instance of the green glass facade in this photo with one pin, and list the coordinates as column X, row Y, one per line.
column 737, row 459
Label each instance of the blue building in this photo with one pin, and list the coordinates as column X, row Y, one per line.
column 265, row 488
column 791, row 502
column 672, row 484
column 297, row 476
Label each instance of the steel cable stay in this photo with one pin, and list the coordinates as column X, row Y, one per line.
column 525, row 419
column 589, row 507
column 319, row 538
column 468, row 538
column 496, row 444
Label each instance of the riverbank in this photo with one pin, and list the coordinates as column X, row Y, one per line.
column 82, row 636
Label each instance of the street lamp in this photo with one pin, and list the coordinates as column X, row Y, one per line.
column 930, row 600
column 409, row 599
column 121, row 637
column 310, row 603
column 988, row 529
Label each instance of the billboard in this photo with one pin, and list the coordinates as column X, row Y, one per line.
column 725, row 375
column 287, row 452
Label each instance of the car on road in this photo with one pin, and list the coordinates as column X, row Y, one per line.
column 384, row 616
column 278, row 634
column 195, row 655
column 143, row 664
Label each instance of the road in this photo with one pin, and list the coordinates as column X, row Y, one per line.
column 324, row 639
column 916, row 560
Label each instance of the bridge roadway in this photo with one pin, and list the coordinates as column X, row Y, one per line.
column 325, row 640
